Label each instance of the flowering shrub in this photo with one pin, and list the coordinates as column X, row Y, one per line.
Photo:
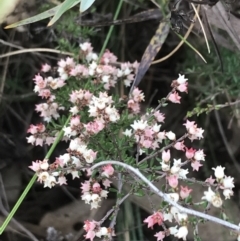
column 105, row 125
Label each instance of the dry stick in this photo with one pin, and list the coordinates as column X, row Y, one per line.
column 181, row 42
column 165, row 196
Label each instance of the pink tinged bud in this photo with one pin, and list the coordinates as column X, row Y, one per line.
column 166, row 156
column 173, row 181
column 190, row 153
column 96, row 188
column 184, row 192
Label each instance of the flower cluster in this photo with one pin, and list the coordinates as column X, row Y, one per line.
column 159, row 218
column 94, row 229
column 95, row 128
column 223, row 182
column 93, row 193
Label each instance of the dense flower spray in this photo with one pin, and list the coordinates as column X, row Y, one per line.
column 107, row 126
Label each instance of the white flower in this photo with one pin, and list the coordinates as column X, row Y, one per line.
column 65, row 158
column 156, row 128
column 76, row 161
column 227, row 193
column 174, row 196
column 74, row 145
column 228, row 182
column 167, row 217
column 173, row 230
column 217, row 201
column 74, row 110
column 127, row 132
column 219, row 172
column 208, row 195
column 43, row 176
column 181, row 79
column 171, row 136
column 181, row 217
column 104, row 193
column 139, row 125
column 183, row 173
column 199, row 155
column 174, row 211
column 182, row 233
column 50, row 181
column 165, row 166
column 104, row 231
column 87, row 197
column 44, row 165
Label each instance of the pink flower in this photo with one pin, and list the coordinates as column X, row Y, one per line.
column 75, row 121
column 106, row 183
column 174, row 97
column 108, row 57
column 159, row 116
column 96, row 188
column 172, row 180
column 195, row 165
column 45, row 68
column 35, row 166
column 160, row 235
column 189, row 153
column 190, row 124
column 108, row 170
column 210, row 180
column 62, row 180
column 134, row 106
column 183, row 87
column 157, row 217
column 85, row 186
column 185, row 191
column 94, row 127
column 179, row 146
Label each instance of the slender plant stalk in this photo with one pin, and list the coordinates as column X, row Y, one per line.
column 59, row 137
column 111, row 29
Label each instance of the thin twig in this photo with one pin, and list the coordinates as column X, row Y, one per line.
column 166, row 197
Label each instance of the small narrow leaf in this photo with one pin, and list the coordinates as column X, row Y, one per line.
column 85, row 4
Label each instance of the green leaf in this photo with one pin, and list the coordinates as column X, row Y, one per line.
column 113, row 189
column 85, row 4
column 139, row 193
column 49, row 13
column 67, row 4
